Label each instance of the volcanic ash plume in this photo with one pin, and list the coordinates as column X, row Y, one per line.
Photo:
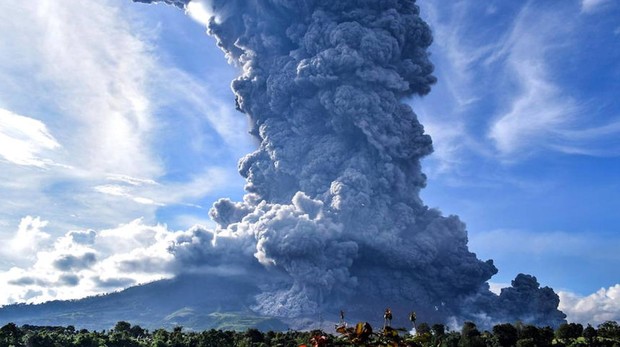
column 332, row 209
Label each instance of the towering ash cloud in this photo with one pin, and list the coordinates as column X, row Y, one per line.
column 332, row 211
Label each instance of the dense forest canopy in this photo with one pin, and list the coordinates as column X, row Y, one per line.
column 123, row 334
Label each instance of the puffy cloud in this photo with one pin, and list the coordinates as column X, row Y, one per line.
column 28, row 238
column 82, row 263
column 596, row 308
column 68, row 280
column 74, row 262
column 27, row 280
column 82, row 237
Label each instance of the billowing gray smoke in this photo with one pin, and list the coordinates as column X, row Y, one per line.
column 332, row 210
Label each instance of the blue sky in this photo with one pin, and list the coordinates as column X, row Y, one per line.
column 117, row 124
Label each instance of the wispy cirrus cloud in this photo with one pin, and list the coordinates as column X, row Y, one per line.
column 589, row 6
column 543, row 113
column 536, row 106
column 446, row 111
column 513, row 82
column 126, row 129
column 24, row 140
column 96, row 72
column 85, row 82
column 149, row 192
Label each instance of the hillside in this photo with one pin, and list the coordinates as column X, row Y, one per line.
column 196, row 302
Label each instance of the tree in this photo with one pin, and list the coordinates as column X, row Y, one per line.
column 254, row 335
column 38, row 339
column 526, row 343
column 470, row 336
column 590, row 334
column 545, row 337
column 177, row 339
column 610, row 330
column 160, row 337
column 136, row 331
column 506, row 334
column 423, row 328
column 529, row 332
column 122, row 327
column 10, row 334
column 451, row 339
column 87, row 340
column 438, row 330
column 569, row 331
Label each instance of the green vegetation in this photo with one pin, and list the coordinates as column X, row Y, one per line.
column 123, row 334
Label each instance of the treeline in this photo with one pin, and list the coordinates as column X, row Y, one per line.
column 126, row 335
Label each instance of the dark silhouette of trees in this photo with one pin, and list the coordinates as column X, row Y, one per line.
column 122, row 327
column 123, row 334
column 590, row 334
column 438, row 330
column 470, row 336
column 609, row 330
column 568, row 332
column 506, row 334
column 423, row 328
column 10, row 334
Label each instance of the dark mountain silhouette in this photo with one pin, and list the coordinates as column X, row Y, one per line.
column 193, row 301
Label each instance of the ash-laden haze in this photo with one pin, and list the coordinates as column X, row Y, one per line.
column 332, row 217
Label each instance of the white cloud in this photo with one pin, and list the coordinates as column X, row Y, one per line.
column 105, row 69
column 28, row 238
column 542, row 113
column 596, row 308
column 538, row 107
column 88, row 262
column 91, row 71
column 457, row 54
column 91, row 74
column 589, row 6
column 83, row 73
column 82, row 263
column 598, row 141
column 24, row 139
column 200, row 11
column 496, row 287
column 535, row 115
column 122, row 191
column 131, row 180
column 564, row 249
column 152, row 193
column 446, row 111
column 509, row 81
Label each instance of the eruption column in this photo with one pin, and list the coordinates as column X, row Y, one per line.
column 332, row 208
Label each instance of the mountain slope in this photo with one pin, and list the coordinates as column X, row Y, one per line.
column 193, row 301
